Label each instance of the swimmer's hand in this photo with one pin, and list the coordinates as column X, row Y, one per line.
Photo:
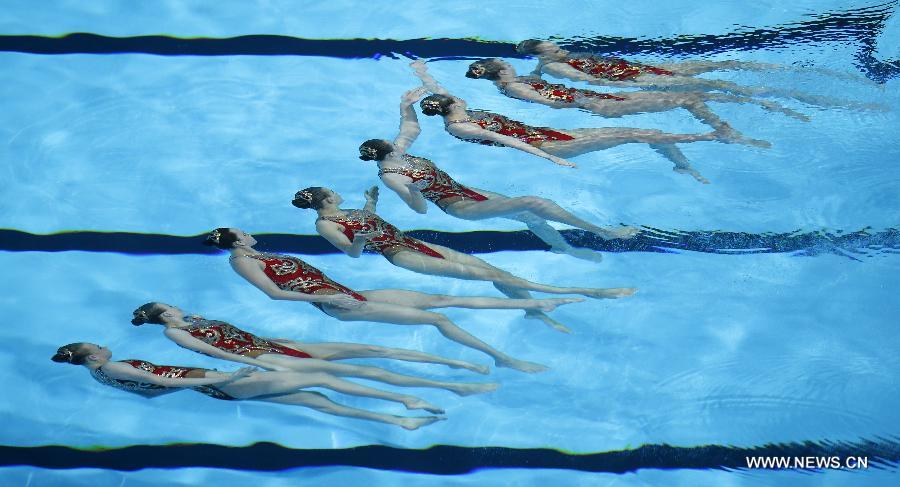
column 418, row 65
column 412, row 96
column 372, row 195
column 340, row 301
column 241, row 373
column 365, row 235
column 561, row 161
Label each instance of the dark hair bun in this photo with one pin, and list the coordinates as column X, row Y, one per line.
column 61, row 357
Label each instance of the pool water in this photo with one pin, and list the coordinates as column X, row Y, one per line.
column 734, row 343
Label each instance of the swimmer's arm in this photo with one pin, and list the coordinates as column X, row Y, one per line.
column 473, row 131
column 249, row 269
column 538, row 68
column 522, row 92
column 563, row 70
column 409, row 122
column 331, row 232
column 186, row 340
column 122, row 371
column 428, row 81
column 402, row 185
column 371, row 195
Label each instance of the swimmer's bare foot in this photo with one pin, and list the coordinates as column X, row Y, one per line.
column 478, row 369
column 729, row 135
column 416, row 423
column 469, row 389
column 412, row 402
column 556, row 325
column 623, row 233
column 548, row 305
column 691, row 172
column 611, row 292
column 521, row 365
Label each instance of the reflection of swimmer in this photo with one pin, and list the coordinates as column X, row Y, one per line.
column 353, row 230
column 225, row 341
column 537, row 90
column 607, row 71
column 417, row 180
column 552, row 144
column 285, row 277
column 150, row 380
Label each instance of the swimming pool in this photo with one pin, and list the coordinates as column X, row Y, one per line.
column 765, row 320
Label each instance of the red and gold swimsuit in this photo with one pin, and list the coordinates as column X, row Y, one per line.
column 561, row 93
column 292, row 274
column 231, row 339
column 614, row 69
column 387, row 239
column 147, row 389
column 436, row 185
column 504, row 126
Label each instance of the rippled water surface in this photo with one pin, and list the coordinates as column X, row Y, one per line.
column 767, row 308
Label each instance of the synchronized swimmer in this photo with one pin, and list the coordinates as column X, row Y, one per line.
column 149, row 380
column 553, row 144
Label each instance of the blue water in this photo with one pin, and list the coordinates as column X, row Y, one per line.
column 732, row 350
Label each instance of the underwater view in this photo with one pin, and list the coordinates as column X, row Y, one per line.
column 626, row 244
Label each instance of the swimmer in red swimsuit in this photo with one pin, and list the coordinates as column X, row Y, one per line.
column 150, row 380
column 352, row 231
column 552, row 144
column 681, row 76
column 277, row 275
column 536, row 90
column 225, row 341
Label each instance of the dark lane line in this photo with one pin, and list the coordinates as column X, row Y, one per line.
column 883, row 453
column 853, row 245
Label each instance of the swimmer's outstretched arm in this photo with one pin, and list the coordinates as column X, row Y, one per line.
column 186, row 340
column 428, row 81
column 473, row 131
column 409, row 122
column 249, row 270
column 122, row 371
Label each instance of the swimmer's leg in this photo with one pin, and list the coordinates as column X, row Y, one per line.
column 321, row 403
column 682, row 165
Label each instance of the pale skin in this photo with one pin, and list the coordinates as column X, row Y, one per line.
column 634, row 102
column 531, row 210
column 457, row 122
column 249, row 384
column 552, row 60
column 174, row 321
column 454, row 264
column 395, row 306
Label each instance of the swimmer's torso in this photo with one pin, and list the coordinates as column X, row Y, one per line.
column 147, row 389
column 436, row 185
column 231, row 339
column 387, row 239
column 511, row 128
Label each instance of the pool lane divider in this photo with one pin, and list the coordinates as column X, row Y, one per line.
column 883, row 453
column 860, row 25
column 853, row 245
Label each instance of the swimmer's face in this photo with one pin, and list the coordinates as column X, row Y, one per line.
column 243, row 237
column 171, row 312
column 96, row 352
column 548, row 49
column 334, row 197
